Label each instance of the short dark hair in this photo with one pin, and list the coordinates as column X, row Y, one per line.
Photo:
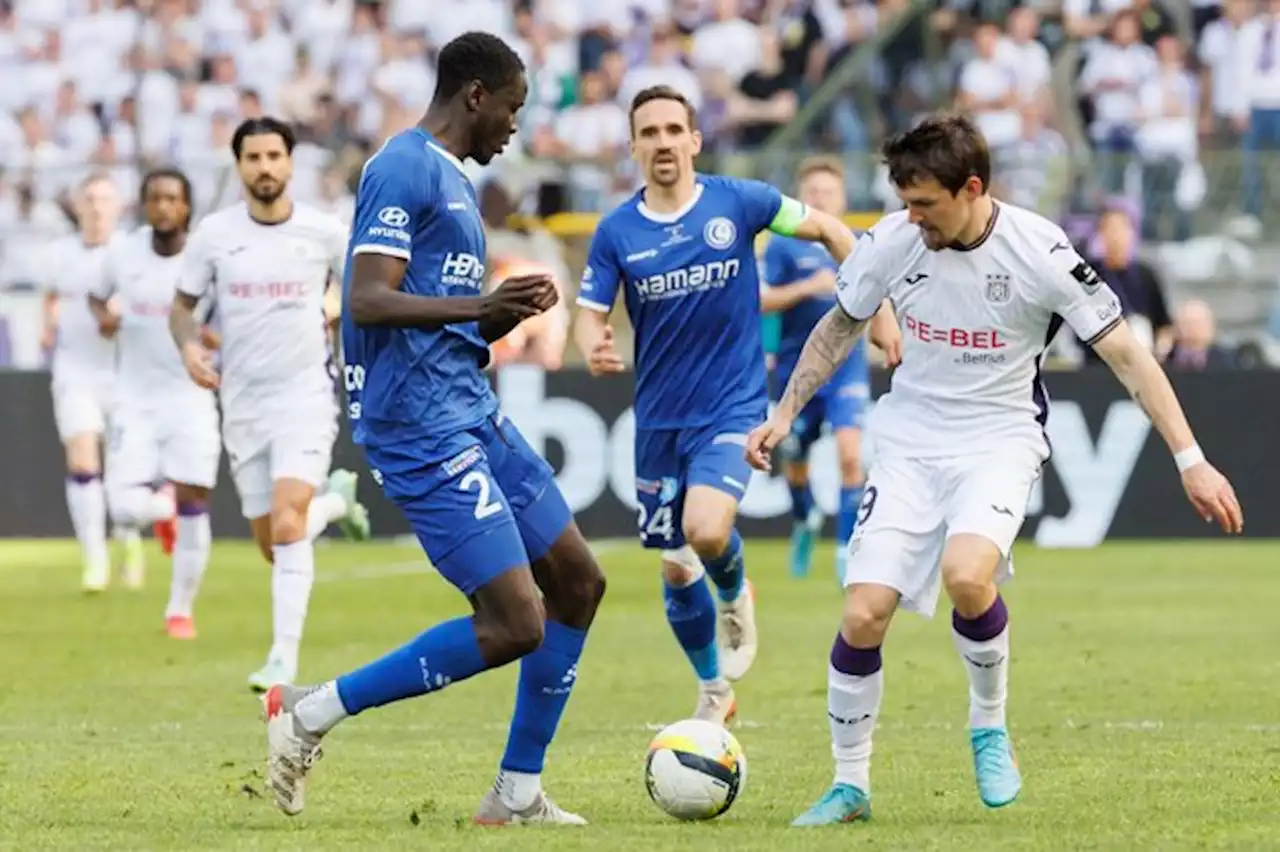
column 946, row 147
column 262, row 126
column 476, row 57
column 661, row 93
column 169, row 173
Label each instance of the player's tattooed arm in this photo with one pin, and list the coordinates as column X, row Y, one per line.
column 1144, row 378
column 829, row 344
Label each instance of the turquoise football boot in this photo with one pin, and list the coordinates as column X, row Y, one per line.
column 994, row 766
column 842, row 803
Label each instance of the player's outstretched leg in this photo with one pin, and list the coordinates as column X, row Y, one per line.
column 708, row 528
column 572, row 586
column 507, row 624
column 337, row 504
column 193, row 540
column 844, row 413
column 87, row 505
column 691, row 612
column 980, row 629
column 855, row 685
column 806, row 523
column 133, row 569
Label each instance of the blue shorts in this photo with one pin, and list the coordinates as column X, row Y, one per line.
column 491, row 504
column 670, row 461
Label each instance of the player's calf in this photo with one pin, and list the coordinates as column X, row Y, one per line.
column 192, row 541
column 292, row 577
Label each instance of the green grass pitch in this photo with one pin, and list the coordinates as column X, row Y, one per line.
column 1144, row 707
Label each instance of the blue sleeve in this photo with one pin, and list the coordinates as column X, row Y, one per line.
column 599, row 287
column 779, row 263
column 392, row 201
column 760, row 203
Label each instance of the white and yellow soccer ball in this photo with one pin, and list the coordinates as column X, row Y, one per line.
column 695, row 770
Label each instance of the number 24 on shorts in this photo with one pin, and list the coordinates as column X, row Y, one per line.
column 659, row 525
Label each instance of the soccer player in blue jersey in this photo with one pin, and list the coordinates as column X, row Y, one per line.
column 681, row 253
column 483, row 504
column 800, row 287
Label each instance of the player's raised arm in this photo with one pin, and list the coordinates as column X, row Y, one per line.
column 1093, row 311
column 592, row 333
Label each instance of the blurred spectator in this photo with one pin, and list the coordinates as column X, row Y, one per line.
column 1257, row 108
column 727, row 45
column 1032, row 170
column 662, row 67
column 989, row 90
column 1029, row 58
column 765, row 99
column 1112, row 78
column 1168, row 145
column 1194, row 340
column 1135, row 282
column 593, row 135
column 1221, row 76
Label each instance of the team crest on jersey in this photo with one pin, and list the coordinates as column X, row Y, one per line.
column 999, row 289
column 668, row 490
column 720, row 233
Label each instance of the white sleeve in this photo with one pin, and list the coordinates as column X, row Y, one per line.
column 104, row 284
column 1073, row 290
column 199, row 268
column 861, row 284
column 336, row 246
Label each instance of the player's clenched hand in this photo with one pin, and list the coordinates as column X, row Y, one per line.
column 520, row 297
column 603, row 357
column 108, row 324
column 199, row 363
column 1213, row 497
column 764, row 439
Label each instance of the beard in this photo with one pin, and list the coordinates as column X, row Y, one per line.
column 266, row 193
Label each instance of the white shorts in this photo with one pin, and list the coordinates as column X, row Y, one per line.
column 80, row 407
column 297, row 446
column 180, row 445
column 912, row 506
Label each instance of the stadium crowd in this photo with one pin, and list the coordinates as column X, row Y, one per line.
column 1145, row 88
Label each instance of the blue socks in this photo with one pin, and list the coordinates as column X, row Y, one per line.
column 691, row 612
column 801, row 503
column 847, row 516
column 727, row 570
column 546, row 680
column 445, row 654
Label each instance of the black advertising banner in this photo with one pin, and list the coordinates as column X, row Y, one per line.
column 1110, row 476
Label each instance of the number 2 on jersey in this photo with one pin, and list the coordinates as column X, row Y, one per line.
column 659, row 524
column 481, row 482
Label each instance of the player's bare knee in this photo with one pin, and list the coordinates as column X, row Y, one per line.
column 707, row 536
column 288, row 524
column 680, row 567
column 796, row 473
column 851, row 471
column 868, row 609
column 969, row 565
column 190, row 495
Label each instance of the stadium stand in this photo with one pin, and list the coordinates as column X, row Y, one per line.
column 1164, row 114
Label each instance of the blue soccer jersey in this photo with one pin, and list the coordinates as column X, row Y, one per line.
column 479, row 499
column 416, row 203
column 691, row 288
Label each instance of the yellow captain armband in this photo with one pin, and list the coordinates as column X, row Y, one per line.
column 790, row 214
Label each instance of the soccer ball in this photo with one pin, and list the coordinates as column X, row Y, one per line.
column 695, row 770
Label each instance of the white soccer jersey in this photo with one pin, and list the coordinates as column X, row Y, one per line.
column 81, row 354
column 975, row 324
column 267, row 283
column 149, row 368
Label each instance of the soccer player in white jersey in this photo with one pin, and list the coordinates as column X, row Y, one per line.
column 164, row 427
column 266, row 263
column 83, row 366
column 980, row 287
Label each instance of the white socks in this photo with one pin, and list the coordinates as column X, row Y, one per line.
column 320, row 709
column 190, row 559
column 517, row 789
column 87, row 505
column 292, row 575
column 325, row 509
column 853, row 704
column 987, row 664
column 138, row 505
